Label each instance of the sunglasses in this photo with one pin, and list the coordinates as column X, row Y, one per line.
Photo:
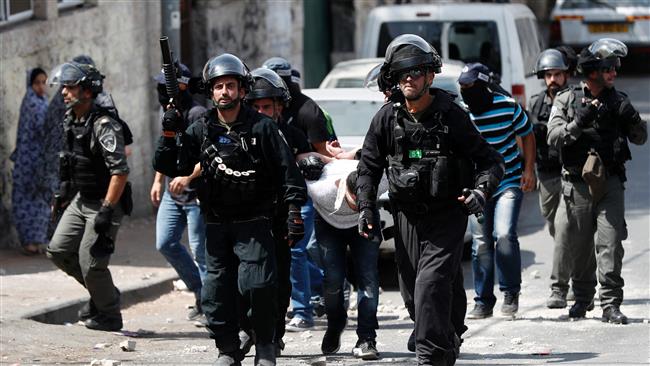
column 413, row 73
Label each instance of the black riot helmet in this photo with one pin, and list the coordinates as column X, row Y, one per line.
column 268, row 84
column 570, row 58
column 74, row 73
column 280, row 65
column 550, row 59
column 225, row 65
column 405, row 52
column 604, row 53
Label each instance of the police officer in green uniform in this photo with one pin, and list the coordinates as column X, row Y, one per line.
column 590, row 125
column 246, row 165
column 427, row 145
column 553, row 67
column 93, row 164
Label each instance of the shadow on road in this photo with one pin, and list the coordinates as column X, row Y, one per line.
column 552, row 358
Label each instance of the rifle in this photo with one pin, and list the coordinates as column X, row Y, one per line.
column 170, row 71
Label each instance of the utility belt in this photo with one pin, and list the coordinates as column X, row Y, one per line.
column 571, row 174
column 263, row 211
column 423, row 208
column 126, row 199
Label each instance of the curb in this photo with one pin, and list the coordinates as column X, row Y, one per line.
column 66, row 312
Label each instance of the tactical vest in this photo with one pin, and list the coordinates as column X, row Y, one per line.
column 424, row 168
column 234, row 184
column 605, row 136
column 88, row 171
column 548, row 158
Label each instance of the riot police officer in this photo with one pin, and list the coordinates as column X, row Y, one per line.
column 245, row 165
column 93, row 164
column 553, row 67
column 269, row 95
column 427, row 145
column 590, row 125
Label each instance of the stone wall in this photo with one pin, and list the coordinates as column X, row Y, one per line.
column 122, row 38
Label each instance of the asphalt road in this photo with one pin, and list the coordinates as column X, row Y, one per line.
column 536, row 336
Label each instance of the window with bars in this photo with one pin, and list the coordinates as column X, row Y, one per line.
column 15, row 10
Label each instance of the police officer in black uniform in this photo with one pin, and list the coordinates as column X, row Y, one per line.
column 93, row 165
column 269, row 95
column 246, row 165
column 590, row 125
column 427, row 145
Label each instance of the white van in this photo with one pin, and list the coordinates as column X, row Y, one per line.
column 502, row 36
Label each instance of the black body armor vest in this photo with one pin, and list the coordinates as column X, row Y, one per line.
column 88, row 171
column 548, row 158
column 234, row 184
column 424, row 168
column 605, row 136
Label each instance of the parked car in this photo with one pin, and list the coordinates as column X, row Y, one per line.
column 502, row 36
column 351, row 74
column 578, row 23
column 351, row 110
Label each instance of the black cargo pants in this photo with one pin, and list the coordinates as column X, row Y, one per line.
column 428, row 252
column 240, row 260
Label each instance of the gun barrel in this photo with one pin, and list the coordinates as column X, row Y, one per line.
column 171, row 82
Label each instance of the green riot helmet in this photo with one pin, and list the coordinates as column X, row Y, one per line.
column 268, row 84
column 225, row 65
column 550, row 59
column 73, row 73
column 405, row 52
column 602, row 54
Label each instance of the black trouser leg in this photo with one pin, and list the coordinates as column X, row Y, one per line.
column 283, row 259
column 433, row 244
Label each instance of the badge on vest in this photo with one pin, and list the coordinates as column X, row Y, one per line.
column 415, row 154
column 108, row 142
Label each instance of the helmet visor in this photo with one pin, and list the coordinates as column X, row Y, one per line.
column 66, row 74
column 370, row 81
column 608, row 48
column 407, row 39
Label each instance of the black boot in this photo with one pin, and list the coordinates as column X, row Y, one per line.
column 265, row 354
column 612, row 314
column 580, row 308
column 105, row 323
column 410, row 345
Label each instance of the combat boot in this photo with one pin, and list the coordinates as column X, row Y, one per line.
column 227, row 359
column 557, row 300
column 580, row 308
column 612, row 314
column 87, row 311
column 105, row 323
column 265, row 354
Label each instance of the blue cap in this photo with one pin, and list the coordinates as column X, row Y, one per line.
column 185, row 75
column 474, row 72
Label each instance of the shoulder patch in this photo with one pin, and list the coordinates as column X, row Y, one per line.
column 107, row 121
column 108, row 142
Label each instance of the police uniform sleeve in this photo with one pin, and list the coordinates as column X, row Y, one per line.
column 299, row 142
column 280, row 160
column 561, row 130
column 110, row 141
column 372, row 161
column 311, row 116
column 174, row 161
column 634, row 127
column 490, row 166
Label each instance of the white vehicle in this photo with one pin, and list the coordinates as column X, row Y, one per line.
column 351, row 110
column 502, row 36
column 578, row 23
column 351, row 74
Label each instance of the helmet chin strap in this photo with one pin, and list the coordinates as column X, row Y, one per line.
column 230, row 105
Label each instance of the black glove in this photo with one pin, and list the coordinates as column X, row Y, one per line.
column 103, row 246
column 586, row 115
column 295, row 225
column 173, row 121
column 311, row 167
column 366, row 218
column 474, row 201
column 103, row 219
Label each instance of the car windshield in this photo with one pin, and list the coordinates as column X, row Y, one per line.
column 350, row 117
column 470, row 41
column 585, row 4
column 348, row 83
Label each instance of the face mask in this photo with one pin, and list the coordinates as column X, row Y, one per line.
column 478, row 98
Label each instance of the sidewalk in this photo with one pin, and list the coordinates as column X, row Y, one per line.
column 34, row 288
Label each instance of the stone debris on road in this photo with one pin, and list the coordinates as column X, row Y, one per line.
column 128, row 346
column 101, row 345
column 105, row 362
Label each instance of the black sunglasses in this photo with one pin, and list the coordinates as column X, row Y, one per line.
column 413, row 73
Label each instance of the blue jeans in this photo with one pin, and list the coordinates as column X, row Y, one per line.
column 304, row 274
column 498, row 231
column 333, row 243
column 170, row 223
